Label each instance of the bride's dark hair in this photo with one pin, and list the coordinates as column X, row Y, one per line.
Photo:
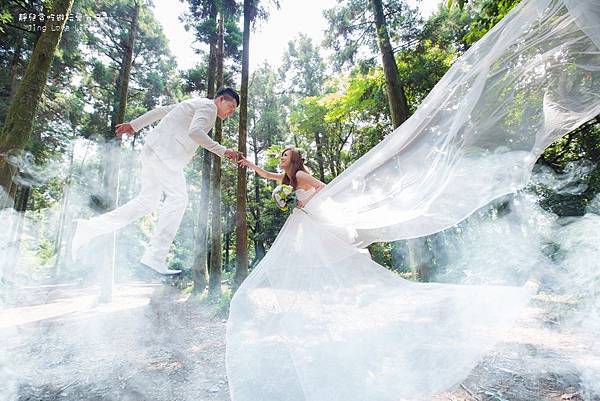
column 296, row 164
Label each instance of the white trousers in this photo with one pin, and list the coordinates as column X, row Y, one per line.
column 156, row 179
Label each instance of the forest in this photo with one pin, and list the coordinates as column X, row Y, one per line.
column 334, row 109
column 66, row 83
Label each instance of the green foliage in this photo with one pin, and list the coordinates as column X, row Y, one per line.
column 45, row 251
column 346, row 109
column 5, row 17
column 200, row 18
column 303, row 68
column 488, row 14
column 220, row 308
column 420, row 70
column 461, row 3
column 266, row 127
column 153, row 75
column 351, row 31
column 337, row 117
column 446, row 29
column 194, row 79
column 381, row 253
column 577, row 156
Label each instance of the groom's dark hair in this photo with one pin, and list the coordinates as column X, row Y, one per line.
column 228, row 94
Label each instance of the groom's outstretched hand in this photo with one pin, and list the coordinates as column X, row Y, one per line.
column 124, row 128
column 233, row 155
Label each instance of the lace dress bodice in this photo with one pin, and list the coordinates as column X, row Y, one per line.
column 303, row 194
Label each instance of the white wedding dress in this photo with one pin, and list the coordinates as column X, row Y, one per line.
column 318, row 320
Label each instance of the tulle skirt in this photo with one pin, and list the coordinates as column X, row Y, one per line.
column 318, row 320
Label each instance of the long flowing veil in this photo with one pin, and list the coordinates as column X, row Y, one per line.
column 319, row 320
column 533, row 78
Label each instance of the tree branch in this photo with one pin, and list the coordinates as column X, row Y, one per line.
column 24, row 6
column 345, row 140
column 361, row 15
column 22, row 29
column 108, row 34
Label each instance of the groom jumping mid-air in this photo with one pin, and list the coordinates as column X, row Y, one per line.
column 168, row 148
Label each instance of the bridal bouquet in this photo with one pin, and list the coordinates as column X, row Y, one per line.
column 284, row 196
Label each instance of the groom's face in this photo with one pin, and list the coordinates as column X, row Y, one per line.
column 225, row 107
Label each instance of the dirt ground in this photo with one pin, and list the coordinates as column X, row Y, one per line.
column 152, row 342
column 155, row 342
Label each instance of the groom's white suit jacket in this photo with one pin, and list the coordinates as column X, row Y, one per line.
column 183, row 127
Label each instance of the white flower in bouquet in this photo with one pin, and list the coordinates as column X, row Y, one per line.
column 284, row 196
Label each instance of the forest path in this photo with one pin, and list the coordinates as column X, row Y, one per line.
column 152, row 342
column 155, row 342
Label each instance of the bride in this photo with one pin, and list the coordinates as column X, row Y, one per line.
column 295, row 175
column 318, row 320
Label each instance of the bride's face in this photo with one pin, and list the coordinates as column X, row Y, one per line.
column 285, row 159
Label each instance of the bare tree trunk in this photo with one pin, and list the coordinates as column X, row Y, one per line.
column 395, row 92
column 332, row 166
column 11, row 195
column 126, row 67
column 259, row 246
column 61, row 221
column 417, row 247
column 23, row 106
column 227, row 246
column 111, row 175
column 420, row 258
column 9, row 262
column 14, row 64
column 241, row 243
column 199, row 269
column 320, row 156
column 214, row 283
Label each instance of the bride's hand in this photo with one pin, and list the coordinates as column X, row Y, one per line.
column 300, row 203
column 243, row 162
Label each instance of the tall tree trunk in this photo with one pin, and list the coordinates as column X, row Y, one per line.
column 14, row 66
column 420, row 258
column 111, row 174
column 259, row 246
column 395, row 92
column 11, row 195
column 417, row 248
column 121, row 100
column 199, row 269
column 62, row 218
column 130, row 179
column 15, row 229
column 126, row 68
column 227, row 246
column 214, row 283
column 320, row 156
column 23, row 107
column 241, row 243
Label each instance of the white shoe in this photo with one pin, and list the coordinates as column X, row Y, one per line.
column 157, row 265
column 83, row 235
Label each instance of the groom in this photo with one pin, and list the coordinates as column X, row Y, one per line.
column 168, row 148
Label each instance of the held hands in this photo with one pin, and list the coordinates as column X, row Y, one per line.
column 243, row 162
column 124, row 128
column 233, row 155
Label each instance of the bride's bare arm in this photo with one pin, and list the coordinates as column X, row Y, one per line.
column 305, row 179
column 263, row 173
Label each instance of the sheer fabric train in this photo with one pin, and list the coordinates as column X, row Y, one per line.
column 317, row 320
